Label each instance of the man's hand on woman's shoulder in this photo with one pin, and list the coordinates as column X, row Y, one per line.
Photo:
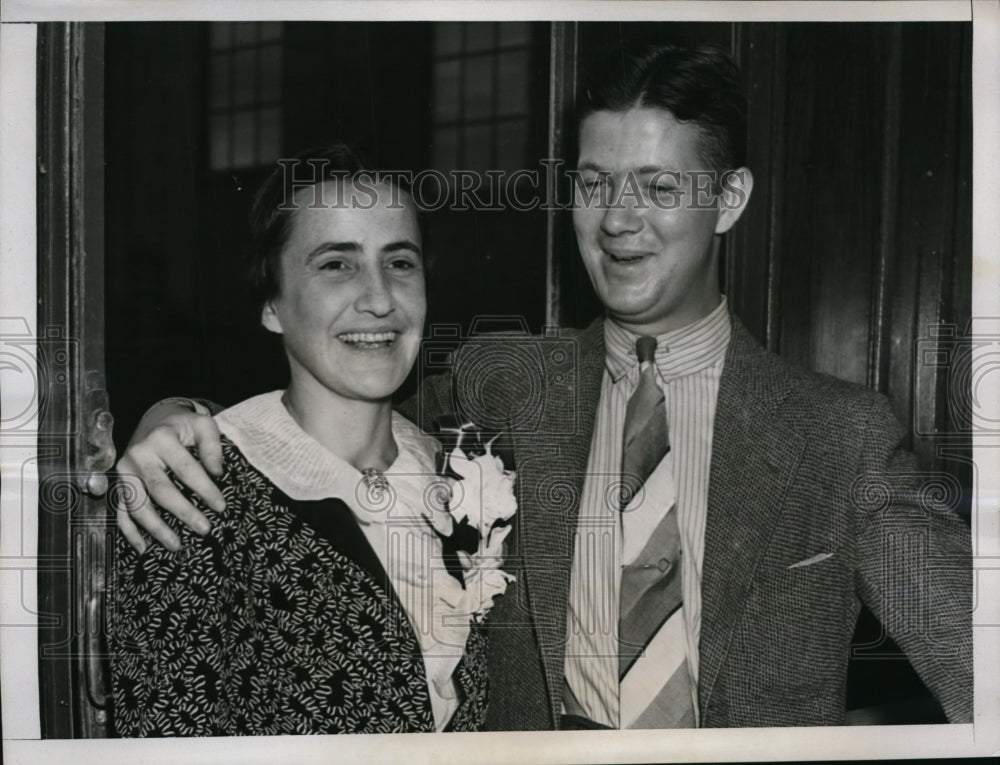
column 160, row 444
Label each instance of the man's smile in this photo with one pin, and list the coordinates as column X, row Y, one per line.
column 622, row 256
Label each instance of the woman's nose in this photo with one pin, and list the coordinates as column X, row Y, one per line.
column 376, row 298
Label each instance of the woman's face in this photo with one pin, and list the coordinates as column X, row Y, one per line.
column 351, row 303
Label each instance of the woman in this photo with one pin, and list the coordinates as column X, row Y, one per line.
column 292, row 615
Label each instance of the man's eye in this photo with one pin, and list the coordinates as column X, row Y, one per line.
column 664, row 191
column 333, row 265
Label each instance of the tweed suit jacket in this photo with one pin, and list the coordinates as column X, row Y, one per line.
column 813, row 509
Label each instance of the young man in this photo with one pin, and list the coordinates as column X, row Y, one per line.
column 699, row 522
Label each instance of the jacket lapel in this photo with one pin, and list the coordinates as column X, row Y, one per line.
column 551, row 463
column 754, row 456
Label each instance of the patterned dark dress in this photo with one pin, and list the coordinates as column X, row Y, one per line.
column 280, row 621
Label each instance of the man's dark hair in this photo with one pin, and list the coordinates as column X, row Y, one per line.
column 273, row 207
column 700, row 85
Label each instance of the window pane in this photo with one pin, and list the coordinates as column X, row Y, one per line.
column 244, row 77
column 447, row 38
column 479, row 36
column 219, row 88
column 243, row 139
column 219, row 142
column 270, row 135
column 478, row 140
column 515, row 32
column 446, row 149
column 446, row 80
column 220, row 35
column 478, row 86
column 270, row 73
column 245, row 33
column 513, row 95
column 270, row 30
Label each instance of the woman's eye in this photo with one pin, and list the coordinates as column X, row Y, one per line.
column 402, row 264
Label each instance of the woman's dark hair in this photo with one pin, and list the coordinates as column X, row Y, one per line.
column 700, row 85
column 274, row 204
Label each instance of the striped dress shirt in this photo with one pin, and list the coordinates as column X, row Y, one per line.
column 689, row 362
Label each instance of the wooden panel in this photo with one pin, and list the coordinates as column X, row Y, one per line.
column 832, row 178
column 563, row 52
column 753, row 249
column 932, row 281
column 856, row 246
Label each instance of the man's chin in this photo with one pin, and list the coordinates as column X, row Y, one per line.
column 629, row 311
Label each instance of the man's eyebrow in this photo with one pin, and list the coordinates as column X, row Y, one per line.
column 332, row 247
column 654, row 170
column 643, row 170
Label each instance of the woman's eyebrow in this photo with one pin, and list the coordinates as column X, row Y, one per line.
column 403, row 244
column 333, row 247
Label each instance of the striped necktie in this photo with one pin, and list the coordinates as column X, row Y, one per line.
column 655, row 685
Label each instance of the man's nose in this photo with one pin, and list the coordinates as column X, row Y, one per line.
column 376, row 298
column 621, row 217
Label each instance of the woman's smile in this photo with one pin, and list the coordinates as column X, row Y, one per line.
column 369, row 341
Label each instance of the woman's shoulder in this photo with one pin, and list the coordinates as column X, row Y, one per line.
column 256, row 414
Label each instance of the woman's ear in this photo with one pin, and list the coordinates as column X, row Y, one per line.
column 269, row 318
column 736, row 188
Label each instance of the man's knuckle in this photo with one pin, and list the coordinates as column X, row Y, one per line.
column 159, row 435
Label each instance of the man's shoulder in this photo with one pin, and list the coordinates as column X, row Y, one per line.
column 532, row 339
column 498, row 370
column 516, row 354
column 811, row 395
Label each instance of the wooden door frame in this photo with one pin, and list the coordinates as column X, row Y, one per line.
column 74, row 442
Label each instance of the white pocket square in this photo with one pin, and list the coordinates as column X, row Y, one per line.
column 812, row 560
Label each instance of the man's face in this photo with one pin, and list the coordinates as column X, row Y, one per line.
column 351, row 304
column 646, row 221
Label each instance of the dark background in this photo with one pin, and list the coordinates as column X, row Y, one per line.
column 854, row 257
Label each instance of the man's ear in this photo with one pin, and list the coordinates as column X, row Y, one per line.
column 736, row 188
column 269, row 318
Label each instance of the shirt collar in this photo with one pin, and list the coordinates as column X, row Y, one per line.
column 304, row 469
column 679, row 353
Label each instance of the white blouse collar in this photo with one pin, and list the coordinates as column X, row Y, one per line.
column 274, row 443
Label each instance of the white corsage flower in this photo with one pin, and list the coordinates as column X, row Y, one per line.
column 482, row 498
column 487, row 492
